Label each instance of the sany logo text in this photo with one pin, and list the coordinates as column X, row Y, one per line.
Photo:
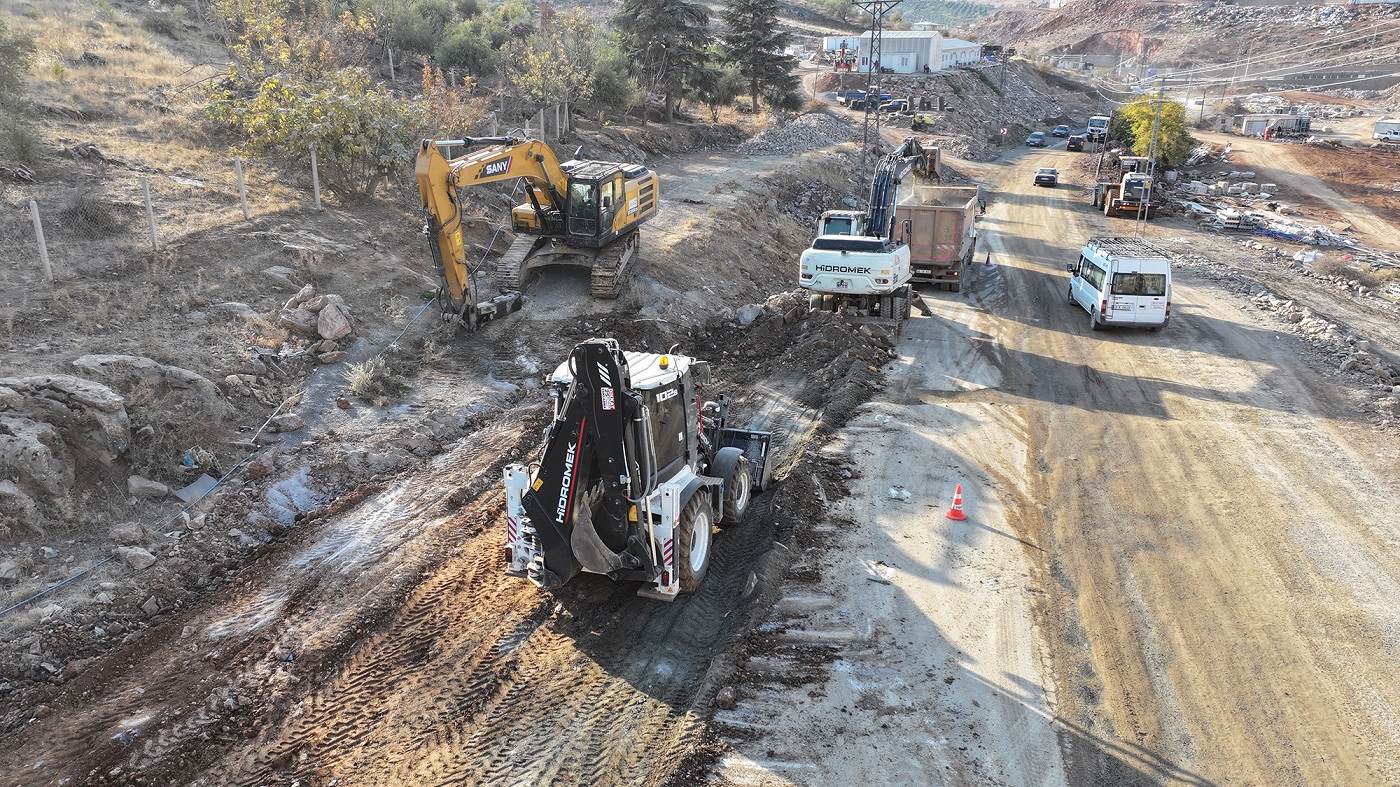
column 493, row 168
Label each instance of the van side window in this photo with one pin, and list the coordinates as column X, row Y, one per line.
column 1093, row 275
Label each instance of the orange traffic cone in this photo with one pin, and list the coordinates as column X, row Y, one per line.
column 956, row 513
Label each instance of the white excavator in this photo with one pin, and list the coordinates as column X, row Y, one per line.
column 859, row 261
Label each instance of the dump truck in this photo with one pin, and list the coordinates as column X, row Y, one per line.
column 941, row 237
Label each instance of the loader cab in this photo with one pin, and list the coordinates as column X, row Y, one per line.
column 841, row 222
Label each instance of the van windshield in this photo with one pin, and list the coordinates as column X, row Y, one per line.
column 1139, row 284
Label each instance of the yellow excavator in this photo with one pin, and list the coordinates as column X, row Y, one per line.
column 577, row 212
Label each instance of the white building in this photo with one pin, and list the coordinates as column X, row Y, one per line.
column 834, row 43
column 957, row 52
column 908, row 51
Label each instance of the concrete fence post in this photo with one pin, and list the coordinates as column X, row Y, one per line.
column 39, row 235
column 315, row 177
column 242, row 189
column 150, row 213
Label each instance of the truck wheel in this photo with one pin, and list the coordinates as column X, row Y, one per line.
column 738, row 491
column 696, row 529
column 1094, row 324
column 955, row 286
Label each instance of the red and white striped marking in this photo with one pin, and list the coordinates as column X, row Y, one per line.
column 667, row 553
column 512, row 530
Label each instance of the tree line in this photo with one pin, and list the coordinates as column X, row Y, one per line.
column 304, row 71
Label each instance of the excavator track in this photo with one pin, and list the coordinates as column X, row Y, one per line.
column 611, row 265
column 510, row 268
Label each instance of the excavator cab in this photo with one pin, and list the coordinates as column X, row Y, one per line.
column 582, row 208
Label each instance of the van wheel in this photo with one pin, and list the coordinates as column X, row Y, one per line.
column 1094, row 324
column 738, row 491
column 696, row 530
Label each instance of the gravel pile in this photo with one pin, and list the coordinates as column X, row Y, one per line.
column 804, row 133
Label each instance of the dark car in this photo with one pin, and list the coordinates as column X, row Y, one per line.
column 1047, row 176
column 1060, row 131
column 1075, row 142
column 1036, row 139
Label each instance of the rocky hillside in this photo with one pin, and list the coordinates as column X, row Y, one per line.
column 1181, row 34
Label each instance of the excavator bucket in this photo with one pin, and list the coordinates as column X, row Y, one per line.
column 755, row 446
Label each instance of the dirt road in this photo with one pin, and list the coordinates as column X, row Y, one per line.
column 381, row 643
column 1198, row 519
column 1179, row 565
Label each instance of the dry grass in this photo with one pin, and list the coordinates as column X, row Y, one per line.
column 179, row 423
column 1366, row 277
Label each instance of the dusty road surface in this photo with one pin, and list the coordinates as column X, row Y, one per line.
column 1179, row 565
column 1179, row 562
column 1216, row 527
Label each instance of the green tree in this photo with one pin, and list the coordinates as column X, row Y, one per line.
column 666, row 40
column 555, row 64
column 288, row 87
column 718, row 82
column 474, row 45
column 413, row 25
column 613, row 83
column 840, row 10
column 1133, row 124
column 754, row 44
column 16, row 56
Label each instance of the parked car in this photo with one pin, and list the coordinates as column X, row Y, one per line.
column 1036, row 139
column 1047, row 176
column 1060, row 131
column 898, row 105
column 1075, row 142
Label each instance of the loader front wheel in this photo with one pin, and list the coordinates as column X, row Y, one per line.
column 738, row 491
column 696, row 530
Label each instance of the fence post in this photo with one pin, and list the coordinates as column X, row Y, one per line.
column 558, row 128
column 39, row 234
column 150, row 212
column 315, row 177
column 242, row 190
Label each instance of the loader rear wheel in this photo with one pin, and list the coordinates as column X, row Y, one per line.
column 738, row 491
column 696, row 530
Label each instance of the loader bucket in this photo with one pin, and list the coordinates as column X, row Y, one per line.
column 755, row 446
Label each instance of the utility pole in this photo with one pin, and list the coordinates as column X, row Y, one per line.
column 877, row 9
column 1138, row 225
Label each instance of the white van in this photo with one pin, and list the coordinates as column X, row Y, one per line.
column 1122, row 281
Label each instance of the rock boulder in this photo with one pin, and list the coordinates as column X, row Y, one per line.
column 90, row 417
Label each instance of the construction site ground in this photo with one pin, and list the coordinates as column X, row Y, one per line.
column 1178, row 566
